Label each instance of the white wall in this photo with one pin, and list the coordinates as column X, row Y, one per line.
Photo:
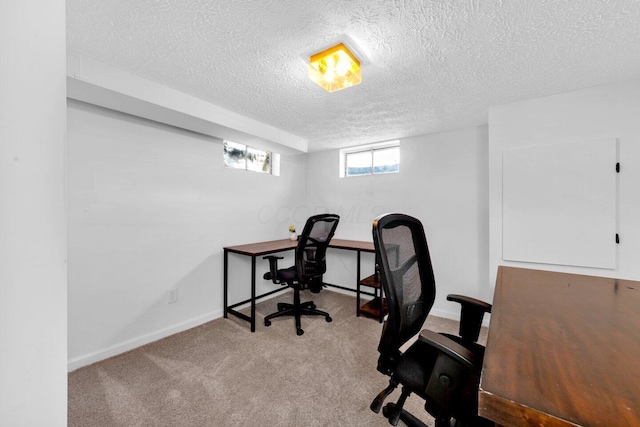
column 33, row 295
column 151, row 206
column 443, row 182
column 608, row 111
column 150, row 209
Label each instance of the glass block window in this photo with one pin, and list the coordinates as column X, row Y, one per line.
column 241, row 156
column 371, row 159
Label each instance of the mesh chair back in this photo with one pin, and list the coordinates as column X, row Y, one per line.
column 406, row 276
column 312, row 245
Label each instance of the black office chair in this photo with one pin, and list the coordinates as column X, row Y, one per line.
column 442, row 369
column 307, row 273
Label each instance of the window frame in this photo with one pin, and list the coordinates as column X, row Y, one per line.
column 245, row 157
column 371, row 148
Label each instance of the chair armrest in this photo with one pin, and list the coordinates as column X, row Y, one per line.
column 459, row 353
column 272, row 274
column 471, row 315
column 468, row 301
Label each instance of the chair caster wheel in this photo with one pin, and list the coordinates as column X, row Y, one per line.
column 267, row 323
column 328, row 319
column 391, row 412
column 385, row 411
column 299, row 331
column 313, row 306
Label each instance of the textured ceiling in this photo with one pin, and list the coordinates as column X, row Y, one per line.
column 429, row 66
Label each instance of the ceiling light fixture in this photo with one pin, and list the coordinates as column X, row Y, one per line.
column 335, row 68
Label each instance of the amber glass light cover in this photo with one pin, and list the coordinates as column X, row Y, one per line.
column 335, row 68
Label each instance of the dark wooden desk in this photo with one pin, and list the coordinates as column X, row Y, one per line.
column 563, row 350
column 255, row 250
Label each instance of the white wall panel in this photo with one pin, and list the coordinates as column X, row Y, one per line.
column 150, row 209
column 33, row 269
column 443, row 182
column 559, row 204
column 603, row 112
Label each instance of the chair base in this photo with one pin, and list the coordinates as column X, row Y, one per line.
column 297, row 309
column 390, row 411
column 395, row 412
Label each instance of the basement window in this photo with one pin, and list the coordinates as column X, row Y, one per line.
column 372, row 159
column 241, row 156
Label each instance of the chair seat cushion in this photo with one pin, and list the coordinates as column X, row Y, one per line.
column 415, row 366
column 288, row 274
column 285, row 275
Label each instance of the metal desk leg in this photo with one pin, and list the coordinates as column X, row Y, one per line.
column 226, row 278
column 381, row 318
column 358, row 286
column 253, row 293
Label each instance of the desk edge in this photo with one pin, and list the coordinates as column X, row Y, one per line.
column 506, row 412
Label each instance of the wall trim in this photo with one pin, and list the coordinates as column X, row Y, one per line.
column 123, row 347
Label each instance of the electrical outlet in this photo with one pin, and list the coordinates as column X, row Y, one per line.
column 173, row 295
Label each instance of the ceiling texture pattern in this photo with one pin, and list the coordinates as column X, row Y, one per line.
column 428, row 66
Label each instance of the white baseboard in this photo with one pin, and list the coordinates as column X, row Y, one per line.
column 88, row 359
column 455, row 315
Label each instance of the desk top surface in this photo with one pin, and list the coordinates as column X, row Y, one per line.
column 563, row 350
column 272, row 246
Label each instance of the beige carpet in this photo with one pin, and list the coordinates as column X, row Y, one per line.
column 221, row 374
